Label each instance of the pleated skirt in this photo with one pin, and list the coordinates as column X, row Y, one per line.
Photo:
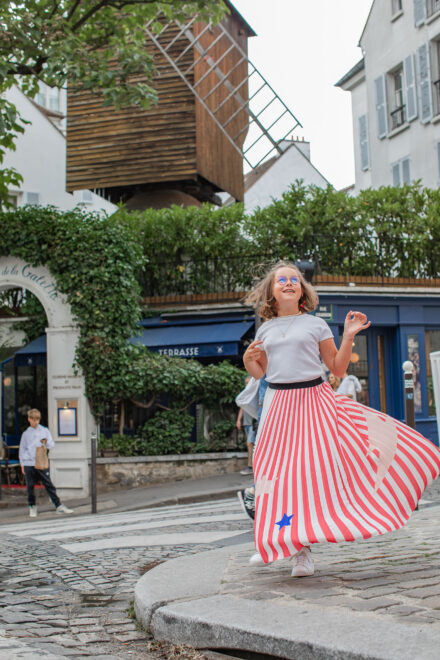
column 328, row 469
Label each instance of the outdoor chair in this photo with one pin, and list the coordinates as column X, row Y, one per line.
column 9, row 467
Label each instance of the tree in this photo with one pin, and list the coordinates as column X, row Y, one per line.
column 88, row 44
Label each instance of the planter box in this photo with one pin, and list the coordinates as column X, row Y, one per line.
column 135, row 471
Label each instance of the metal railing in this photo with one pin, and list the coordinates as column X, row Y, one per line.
column 376, row 263
column 397, row 117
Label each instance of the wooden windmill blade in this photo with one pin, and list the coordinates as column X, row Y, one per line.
column 269, row 119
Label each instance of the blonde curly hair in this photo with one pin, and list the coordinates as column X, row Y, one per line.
column 261, row 296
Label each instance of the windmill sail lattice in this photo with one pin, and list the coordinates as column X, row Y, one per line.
column 269, row 120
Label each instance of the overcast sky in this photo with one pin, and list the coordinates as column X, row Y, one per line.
column 303, row 48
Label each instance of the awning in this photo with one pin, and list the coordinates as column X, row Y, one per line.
column 187, row 341
column 33, row 354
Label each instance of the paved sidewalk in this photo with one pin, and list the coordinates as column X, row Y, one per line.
column 176, row 492
column 376, row 599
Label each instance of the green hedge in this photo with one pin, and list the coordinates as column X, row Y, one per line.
column 389, row 231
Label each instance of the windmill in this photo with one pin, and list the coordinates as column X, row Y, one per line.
column 216, row 113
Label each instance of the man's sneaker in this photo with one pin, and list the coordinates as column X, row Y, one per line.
column 247, row 470
column 62, row 508
column 33, row 511
column 247, row 501
column 303, row 563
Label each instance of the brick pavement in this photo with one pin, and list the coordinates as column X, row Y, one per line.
column 396, row 575
column 56, row 604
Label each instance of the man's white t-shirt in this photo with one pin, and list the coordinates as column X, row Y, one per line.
column 292, row 347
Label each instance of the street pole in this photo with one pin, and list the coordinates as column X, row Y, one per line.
column 94, row 442
column 408, row 380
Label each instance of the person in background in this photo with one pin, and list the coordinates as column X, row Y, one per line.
column 350, row 386
column 247, row 422
column 37, row 436
column 333, row 381
column 246, row 496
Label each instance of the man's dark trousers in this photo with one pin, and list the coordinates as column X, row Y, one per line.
column 32, row 474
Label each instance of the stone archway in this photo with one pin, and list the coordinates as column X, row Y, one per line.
column 70, row 457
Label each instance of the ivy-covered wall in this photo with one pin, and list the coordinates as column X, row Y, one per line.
column 96, row 263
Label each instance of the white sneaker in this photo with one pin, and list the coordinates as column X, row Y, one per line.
column 303, row 563
column 257, row 560
column 63, row 509
column 246, row 470
column 33, row 511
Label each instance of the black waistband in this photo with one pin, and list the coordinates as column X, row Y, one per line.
column 296, row 386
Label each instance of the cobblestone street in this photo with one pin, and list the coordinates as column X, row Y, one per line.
column 66, row 585
column 57, row 604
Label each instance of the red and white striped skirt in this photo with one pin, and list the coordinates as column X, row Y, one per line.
column 330, row 469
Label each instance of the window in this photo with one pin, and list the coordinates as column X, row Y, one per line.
column 31, row 198
column 436, row 76
column 49, row 97
column 432, row 343
column 432, row 7
column 86, row 197
column 396, row 6
column 401, row 172
column 397, row 113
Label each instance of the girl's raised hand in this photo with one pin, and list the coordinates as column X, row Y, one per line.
column 355, row 322
column 253, row 351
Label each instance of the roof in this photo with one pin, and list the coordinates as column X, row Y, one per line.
column 237, row 14
column 252, row 177
column 350, row 74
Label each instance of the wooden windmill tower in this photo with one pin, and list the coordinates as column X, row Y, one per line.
column 215, row 110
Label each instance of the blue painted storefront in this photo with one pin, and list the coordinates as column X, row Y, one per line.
column 402, row 326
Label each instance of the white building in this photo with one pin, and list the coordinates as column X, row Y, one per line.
column 275, row 176
column 40, row 155
column 395, row 91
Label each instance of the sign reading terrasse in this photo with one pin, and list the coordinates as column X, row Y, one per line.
column 197, row 350
column 28, row 273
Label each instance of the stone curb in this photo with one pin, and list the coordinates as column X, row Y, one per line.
column 180, row 602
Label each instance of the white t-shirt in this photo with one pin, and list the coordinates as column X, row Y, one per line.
column 292, row 347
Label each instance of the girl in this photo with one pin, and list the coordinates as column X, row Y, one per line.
column 326, row 468
column 333, row 381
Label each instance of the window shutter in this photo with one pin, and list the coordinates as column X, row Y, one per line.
column 425, row 97
column 396, row 174
column 410, row 85
column 363, row 142
column 419, row 12
column 381, row 107
column 406, row 175
column 438, row 158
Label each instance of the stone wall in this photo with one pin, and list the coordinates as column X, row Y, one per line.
column 135, row 471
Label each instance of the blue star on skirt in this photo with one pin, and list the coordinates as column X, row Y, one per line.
column 285, row 521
